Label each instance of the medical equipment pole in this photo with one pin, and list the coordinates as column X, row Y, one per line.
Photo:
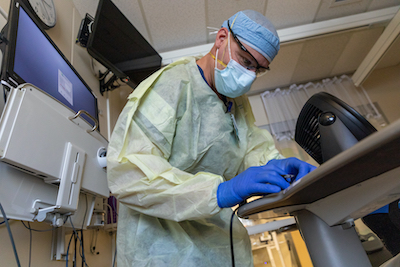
column 330, row 246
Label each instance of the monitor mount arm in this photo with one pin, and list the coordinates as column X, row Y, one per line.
column 107, row 85
column 69, row 188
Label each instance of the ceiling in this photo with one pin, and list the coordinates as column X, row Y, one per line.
column 178, row 24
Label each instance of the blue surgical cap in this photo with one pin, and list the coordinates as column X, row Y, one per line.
column 255, row 30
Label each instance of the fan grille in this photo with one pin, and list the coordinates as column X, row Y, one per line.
column 307, row 132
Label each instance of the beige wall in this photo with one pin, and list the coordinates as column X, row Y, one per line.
column 41, row 246
column 117, row 100
column 382, row 86
column 63, row 34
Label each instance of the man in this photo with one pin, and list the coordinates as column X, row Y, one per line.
column 185, row 149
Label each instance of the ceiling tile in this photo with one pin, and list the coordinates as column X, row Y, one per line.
column 130, row 9
column 282, row 68
column 88, row 6
column 319, row 56
column 378, row 4
column 356, row 49
column 285, row 13
column 392, row 55
column 219, row 11
column 175, row 24
column 327, row 11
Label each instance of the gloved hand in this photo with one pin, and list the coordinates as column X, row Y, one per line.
column 293, row 166
column 260, row 180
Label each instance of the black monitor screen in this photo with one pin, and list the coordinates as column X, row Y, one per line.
column 34, row 58
column 119, row 46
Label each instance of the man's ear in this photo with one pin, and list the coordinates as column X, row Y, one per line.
column 222, row 35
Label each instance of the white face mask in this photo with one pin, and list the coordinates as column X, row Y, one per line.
column 235, row 80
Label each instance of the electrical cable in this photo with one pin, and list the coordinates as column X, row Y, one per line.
column 109, row 213
column 75, row 240
column 114, row 208
column 30, row 237
column 111, row 209
column 83, row 223
column 86, row 210
column 90, row 26
column 94, row 238
column 2, row 222
column 80, row 241
column 35, row 230
column 10, row 234
column 69, row 243
column 231, row 236
column 115, row 255
column 30, row 244
column 82, row 248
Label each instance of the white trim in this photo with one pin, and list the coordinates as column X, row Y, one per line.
column 108, row 110
column 335, row 3
column 339, row 24
column 299, row 32
column 3, row 13
column 386, row 39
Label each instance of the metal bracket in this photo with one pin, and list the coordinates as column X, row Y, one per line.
column 96, row 123
column 58, row 245
column 69, row 188
column 348, row 224
column 108, row 85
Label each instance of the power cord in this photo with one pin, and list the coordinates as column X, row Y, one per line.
column 69, row 243
column 30, row 237
column 10, row 234
column 80, row 241
column 75, row 234
column 231, row 236
column 35, row 230
column 83, row 223
column 93, row 242
column 30, row 244
column 115, row 255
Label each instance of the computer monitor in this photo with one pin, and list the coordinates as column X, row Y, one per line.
column 49, row 162
column 30, row 56
column 120, row 47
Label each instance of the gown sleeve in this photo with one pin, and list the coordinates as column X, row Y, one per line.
column 139, row 173
column 260, row 143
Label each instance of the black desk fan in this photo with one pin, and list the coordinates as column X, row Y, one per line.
column 327, row 126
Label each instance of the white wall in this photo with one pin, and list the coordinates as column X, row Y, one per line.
column 64, row 35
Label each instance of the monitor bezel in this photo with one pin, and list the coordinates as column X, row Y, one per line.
column 7, row 66
column 99, row 57
column 151, row 61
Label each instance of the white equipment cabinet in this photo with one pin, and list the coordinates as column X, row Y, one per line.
column 41, row 137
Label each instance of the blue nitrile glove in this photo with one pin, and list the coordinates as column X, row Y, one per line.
column 293, row 166
column 260, row 180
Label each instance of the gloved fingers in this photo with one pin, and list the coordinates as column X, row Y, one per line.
column 304, row 170
column 273, row 177
column 272, row 168
column 298, row 167
column 293, row 166
column 262, row 189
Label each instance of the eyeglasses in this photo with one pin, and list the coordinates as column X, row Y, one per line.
column 259, row 70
